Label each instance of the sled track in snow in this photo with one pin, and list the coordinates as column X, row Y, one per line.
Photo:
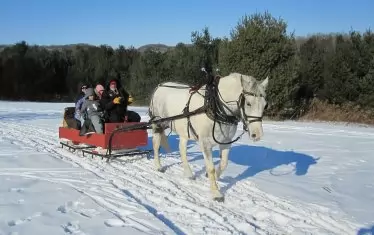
column 182, row 204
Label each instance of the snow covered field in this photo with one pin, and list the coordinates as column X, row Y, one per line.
column 302, row 178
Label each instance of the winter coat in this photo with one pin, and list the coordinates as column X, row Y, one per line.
column 114, row 112
column 91, row 107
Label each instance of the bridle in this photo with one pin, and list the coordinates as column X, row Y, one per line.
column 240, row 102
column 241, row 106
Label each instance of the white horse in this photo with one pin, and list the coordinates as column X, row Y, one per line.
column 240, row 97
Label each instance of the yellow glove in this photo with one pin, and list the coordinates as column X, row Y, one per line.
column 116, row 100
column 130, row 100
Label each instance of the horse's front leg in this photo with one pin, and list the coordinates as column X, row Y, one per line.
column 207, row 152
column 224, row 157
column 183, row 152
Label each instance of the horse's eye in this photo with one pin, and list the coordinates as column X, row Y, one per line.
column 249, row 104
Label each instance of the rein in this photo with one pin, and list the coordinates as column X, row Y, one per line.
column 243, row 117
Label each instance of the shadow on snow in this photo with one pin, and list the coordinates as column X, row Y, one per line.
column 256, row 159
column 366, row 231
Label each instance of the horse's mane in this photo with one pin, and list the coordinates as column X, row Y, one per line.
column 255, row 88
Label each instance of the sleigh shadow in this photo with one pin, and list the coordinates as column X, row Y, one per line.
column 257, row 159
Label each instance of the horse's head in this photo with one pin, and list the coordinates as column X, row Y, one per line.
column 252, row 105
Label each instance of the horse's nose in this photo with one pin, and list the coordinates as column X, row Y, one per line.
column 253, row 136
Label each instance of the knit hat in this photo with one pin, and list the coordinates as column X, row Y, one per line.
column 89, row 92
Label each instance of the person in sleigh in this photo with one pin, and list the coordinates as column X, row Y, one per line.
column 115, row 100
column 93, row 112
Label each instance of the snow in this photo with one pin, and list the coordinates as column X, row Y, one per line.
column 301, row 178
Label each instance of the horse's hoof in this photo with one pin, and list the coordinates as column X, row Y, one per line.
column 162, row 169
column 219, row 199
column 192, row 177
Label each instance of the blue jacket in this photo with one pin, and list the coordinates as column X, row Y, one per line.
column 78, row 106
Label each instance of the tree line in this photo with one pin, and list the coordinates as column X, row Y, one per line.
column 337, row 69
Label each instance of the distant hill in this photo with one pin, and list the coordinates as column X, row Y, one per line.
column 157, row 47
column 162, row 47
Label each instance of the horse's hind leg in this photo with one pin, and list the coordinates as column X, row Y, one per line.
column 183, row 152
column 207, row 152
column 156, row 141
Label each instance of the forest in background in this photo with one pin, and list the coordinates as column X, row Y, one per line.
column 321, row 76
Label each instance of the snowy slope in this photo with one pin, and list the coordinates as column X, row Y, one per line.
column 302, row 178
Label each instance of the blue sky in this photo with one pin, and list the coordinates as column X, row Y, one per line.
column 142, row 22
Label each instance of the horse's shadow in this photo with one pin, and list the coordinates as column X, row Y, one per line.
column 256, row 159
column 366, row 231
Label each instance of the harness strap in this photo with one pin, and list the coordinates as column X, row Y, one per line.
column 216, row 110
column 189, row 125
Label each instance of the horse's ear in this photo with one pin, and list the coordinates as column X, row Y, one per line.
column 265, row 82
